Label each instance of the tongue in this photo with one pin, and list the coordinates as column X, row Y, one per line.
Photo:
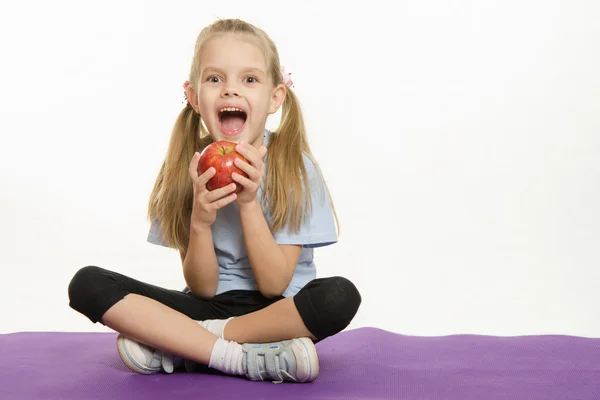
column 232, row 123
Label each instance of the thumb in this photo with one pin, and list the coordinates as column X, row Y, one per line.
column 263, row 151
column 193, row 169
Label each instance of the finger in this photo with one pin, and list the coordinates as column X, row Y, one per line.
column 263, row 151
column 216, row 194
column 249, row 152
column 193, row 168
column 252, row 172
column 205, row 177
column 242, row 180
column 223, row 202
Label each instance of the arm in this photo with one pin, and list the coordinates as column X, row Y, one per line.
column 200, row 267
column 273, row 265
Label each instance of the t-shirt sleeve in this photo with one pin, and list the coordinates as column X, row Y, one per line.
column 155, row 235
column 319, row 228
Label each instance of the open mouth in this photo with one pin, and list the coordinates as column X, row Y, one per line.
column 232, row 120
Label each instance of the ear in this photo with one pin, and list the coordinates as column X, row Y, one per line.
column 192, row 98
column 277, row 97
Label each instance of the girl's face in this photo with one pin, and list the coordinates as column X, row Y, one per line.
column 235, row 92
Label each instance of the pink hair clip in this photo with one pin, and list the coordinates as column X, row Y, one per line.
column 286, row 77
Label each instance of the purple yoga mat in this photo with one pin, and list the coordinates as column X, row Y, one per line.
column 365, row 363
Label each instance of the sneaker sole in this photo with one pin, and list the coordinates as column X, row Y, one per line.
column 129, row 361
column 311, row 358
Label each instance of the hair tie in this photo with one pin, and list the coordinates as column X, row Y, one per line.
column 286, row 78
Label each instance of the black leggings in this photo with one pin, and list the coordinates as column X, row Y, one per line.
column 326, row 305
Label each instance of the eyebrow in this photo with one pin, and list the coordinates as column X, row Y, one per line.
column 245, row 70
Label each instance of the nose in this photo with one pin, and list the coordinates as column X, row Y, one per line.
column 230, row 91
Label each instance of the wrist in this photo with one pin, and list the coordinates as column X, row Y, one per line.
column 199, row 228
column 251, row 206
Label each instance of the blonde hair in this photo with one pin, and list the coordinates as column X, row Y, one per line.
column 285, row 189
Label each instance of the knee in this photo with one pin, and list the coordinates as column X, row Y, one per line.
column 83, row 284
column 343, row 298
column 328, row 305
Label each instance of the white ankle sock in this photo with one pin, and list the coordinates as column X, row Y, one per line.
column 216, row 326
column 227, row 357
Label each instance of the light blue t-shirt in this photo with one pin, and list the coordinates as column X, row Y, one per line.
column 235, row 272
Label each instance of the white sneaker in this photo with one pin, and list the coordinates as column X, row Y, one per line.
column 292, row 360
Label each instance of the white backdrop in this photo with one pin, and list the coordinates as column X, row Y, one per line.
column 460, row 141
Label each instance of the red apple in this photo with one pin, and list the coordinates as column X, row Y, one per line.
column 221, row 155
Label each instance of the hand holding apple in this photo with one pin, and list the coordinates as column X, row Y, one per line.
column 206, row 202
column 253, row 170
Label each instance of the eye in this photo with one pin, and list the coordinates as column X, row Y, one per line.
column 251, row 79
column 213, row 79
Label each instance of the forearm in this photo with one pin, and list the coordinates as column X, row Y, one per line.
column 200, row 267
column 267, row 260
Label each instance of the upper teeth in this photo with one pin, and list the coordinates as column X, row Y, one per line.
column 231, row 109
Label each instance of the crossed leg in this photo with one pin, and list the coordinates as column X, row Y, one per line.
column 154, row 324
column 279, row 321
column 323, row 307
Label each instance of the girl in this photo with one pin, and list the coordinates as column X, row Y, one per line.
column 252, row 306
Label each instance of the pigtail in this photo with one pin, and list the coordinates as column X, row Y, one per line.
column 285, row 196
column 287, row 192
column 172, row 195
